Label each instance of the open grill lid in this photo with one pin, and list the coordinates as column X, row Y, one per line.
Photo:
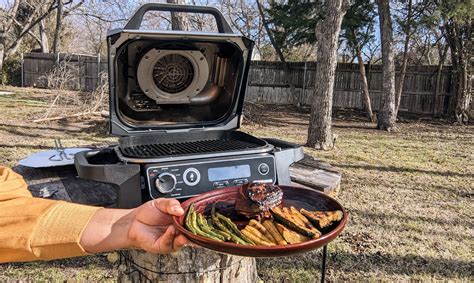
column 176, row 81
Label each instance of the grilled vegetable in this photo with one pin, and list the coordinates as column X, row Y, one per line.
column 201, row 220
column 291, row 236
column 322, row 219
column 257, row 225
column 284, row 216
column 297, row 215
column 199, row 231
column 188, row 220
column 272, row 229
column 216, row 230
column 231, row 225
column 234, row 238
column 256, row 239
column 257, row 233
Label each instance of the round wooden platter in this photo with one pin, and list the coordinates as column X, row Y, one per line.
column 292, row 196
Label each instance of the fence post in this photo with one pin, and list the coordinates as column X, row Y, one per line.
column 22, row 68
column 304, row 85
column 98, row 71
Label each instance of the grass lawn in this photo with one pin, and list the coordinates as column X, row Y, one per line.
column 409, row 194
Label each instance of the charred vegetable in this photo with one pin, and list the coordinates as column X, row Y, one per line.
column 256, row 239
column 322, row 219
column 284, row 216
column 291, row 236
column 272, row 229
column 205, row 228
column 260, row 228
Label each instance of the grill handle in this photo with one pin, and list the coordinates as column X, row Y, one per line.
column 137, row 18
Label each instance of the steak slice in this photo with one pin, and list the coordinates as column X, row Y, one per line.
column 256, row 200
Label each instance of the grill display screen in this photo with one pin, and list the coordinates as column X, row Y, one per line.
column 228, row 173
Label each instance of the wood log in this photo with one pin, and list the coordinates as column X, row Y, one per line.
column 188, row 265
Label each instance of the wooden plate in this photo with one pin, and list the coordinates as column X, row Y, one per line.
column 292, row 196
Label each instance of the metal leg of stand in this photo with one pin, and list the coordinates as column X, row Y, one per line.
column 323, row 264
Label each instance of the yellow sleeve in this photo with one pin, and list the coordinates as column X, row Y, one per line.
column 37, row 229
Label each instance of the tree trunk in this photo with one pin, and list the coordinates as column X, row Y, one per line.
column 387, row 114
column 2, row 49
column 43, row 38
column 188, row 265
column 327, row 35
column 460, row 57
column 59, row 23
column 177, row 19
column 442, row 57
column 365, row 86
column 270, row 34
column 403, row 71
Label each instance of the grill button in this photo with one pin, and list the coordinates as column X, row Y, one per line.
column 263, row 169
column 221, row 184
column 191, row 177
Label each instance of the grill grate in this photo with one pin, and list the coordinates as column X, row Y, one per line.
column 186, row 148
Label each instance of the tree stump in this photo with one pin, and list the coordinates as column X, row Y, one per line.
column 192, row 264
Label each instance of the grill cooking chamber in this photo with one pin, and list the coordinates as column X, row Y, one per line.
column 175, row 102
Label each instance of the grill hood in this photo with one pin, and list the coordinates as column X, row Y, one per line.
column 176, row 81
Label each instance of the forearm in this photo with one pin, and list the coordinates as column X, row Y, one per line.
column 108, row 230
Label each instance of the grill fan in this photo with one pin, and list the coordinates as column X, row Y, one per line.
column 172, row 76
column 173, row 73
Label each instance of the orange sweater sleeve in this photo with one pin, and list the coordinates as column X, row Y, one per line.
column 37, row 229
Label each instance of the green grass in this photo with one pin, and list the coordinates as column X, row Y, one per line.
column 409, row 195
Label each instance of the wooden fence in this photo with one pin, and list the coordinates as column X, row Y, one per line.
column 85, row 69
column 272, row 83
column 269, row 82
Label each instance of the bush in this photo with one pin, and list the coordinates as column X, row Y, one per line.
column 11, row 73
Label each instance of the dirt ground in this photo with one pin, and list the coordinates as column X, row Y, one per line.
column 409, row 193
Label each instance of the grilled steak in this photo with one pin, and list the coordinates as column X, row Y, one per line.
column 256, row 200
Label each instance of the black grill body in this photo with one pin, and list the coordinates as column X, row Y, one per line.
column 176, row 102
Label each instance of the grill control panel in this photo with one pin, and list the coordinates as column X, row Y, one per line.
column 188, row 178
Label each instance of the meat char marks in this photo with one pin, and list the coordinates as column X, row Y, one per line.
column 256, row 200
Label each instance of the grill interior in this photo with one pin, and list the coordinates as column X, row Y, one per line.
column 186, row 148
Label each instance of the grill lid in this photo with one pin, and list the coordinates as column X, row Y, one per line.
column 176, row 81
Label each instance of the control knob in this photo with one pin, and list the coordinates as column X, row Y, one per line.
column 165, row 183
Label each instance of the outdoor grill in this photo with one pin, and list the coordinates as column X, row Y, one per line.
column 176, row 101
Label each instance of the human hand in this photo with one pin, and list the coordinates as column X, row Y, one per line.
column 152, row 227
column 148, row 227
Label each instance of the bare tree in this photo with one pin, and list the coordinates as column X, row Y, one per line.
column 365, row 85
column 43, row 37
column 277, row 48
column 177, row 19
column 59, row 23
column 387, row 113
column 20, row 19
column 327, row 35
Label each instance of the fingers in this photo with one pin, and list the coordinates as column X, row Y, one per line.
column 169, row 206
column 179, row 242
column 159, row 211
column 169, row 242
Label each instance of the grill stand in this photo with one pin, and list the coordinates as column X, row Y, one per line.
column 323, row 264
